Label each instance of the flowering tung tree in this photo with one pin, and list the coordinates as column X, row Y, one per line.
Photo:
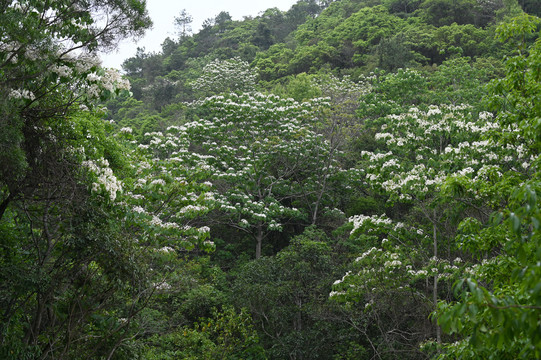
column 221, row 76
column 389, row 284
column 417, row 151
column 262, row 151
column 167, row 191
column 498, row 310
column 49, row 69
column 62, row 246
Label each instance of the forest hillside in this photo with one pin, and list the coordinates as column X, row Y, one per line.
column 348, row 179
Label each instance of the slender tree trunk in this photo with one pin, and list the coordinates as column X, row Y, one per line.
column 319, row 197
column 298, row 316
column 259, row 241
column 34, row 326
column 435, row 290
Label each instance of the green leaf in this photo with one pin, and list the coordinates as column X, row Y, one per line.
column 515, row 222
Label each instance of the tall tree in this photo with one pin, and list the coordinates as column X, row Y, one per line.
column 262, row 152
column 61, row 250
column 183, row 23
column 498, row 308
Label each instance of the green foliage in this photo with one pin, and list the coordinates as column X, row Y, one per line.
column 393, row 93
column 394, row 53
column 463, row 40
column 198, row 302
column 287, row 296
column 402, row 7
column 104, row 223
column 299, row 87
column 517, row 94
column 344, row 35
column 501, row 321
column 442, row 12
column 226, row 334
column 530, row 7
column 13, row 163
column 459, row 81
column 273, row 63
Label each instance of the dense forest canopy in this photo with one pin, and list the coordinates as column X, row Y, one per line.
column 348, row 179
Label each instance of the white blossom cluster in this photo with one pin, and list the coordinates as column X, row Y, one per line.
column 379, row 269
column 247, row 134
column 336, row 293
column 175, row 199
column 82, row 70
column 22, row 6
column 373, row 221
column 22, row 94
column 83, row 62
column 340, row 88
column 62, row 70
column 226, row 75
column 106, row 180
column 393, row 267
column 443, row 140
column 79, row 72
column 105, row 80
column 162, row 286
column 367, row 253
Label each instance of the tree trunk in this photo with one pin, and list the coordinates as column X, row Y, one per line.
column 259, row 241
column 435, row 290
column 4, row 205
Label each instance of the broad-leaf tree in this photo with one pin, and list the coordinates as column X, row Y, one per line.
column 264, row 156
column 499, row 309
column 70, row 267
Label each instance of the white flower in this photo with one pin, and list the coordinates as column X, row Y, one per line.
column 22, row 94
column 156, row 221
column 204, row 229
column 158, row 182
column 139, row 210
column 105, row 177
column 208, row 243
column 62, row 70
column 162, row 286
column 93, row 77
column 393, row 263
column 166, row 249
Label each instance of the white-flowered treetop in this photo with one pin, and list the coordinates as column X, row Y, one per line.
column 419, row 149
column 263, row 154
